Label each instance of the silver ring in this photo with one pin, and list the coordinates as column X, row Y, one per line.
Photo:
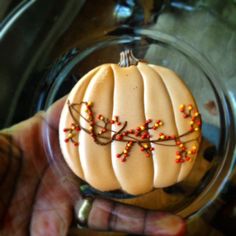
column 82, row 210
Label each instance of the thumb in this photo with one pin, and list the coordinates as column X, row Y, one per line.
column 112, row 216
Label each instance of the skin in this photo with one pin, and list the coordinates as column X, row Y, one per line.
column 38, row 199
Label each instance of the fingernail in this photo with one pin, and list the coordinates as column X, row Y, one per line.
column 162, row 223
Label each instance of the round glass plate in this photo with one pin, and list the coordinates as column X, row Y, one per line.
column 215, row 159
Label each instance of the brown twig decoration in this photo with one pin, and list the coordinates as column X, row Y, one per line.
column 99, row 128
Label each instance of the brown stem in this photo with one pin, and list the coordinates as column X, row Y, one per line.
column 127, row 59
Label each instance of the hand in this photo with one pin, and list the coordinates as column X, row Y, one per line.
column 37, row 199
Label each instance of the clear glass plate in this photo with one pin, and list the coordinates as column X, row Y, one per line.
column 210, row 170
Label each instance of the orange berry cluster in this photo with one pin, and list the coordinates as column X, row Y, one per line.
column 126, row 151
column 183, row 154
column 90, row 117
column 112, row 121
column 190, row 113
column 193, row 115
column 71, row 133
column 142, row 137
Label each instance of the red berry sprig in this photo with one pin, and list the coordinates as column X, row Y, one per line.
column 125, row 153
column 183, row 154
column 71, row 133
column 194, row 116
column 100, row 130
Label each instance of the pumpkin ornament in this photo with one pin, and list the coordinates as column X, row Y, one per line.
column 130, row 126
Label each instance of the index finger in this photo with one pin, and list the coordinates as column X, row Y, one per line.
column 54, row 112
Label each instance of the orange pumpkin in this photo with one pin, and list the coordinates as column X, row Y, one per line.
column 131, row 126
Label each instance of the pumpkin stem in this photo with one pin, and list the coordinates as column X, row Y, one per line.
column 127, row 59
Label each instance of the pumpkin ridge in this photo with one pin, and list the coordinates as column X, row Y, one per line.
column 112, row 112
column 84, row 92
column 180, row 81
column 112, row 162
column 173, row 114
column 144, row 110
column 171, row 103
column 185, row 96
column 82, row 85
column 95, row 158
column 135, row 175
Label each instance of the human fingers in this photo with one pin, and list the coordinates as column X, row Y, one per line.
column 10, row 164
column 54, row 112
column 18, row 184
column 112, row 216
column 53, row 206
